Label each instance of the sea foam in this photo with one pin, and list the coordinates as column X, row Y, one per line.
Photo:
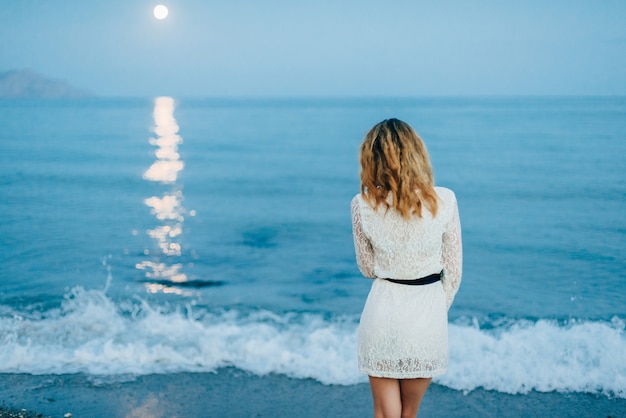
column 578, row 356
column 90, row 333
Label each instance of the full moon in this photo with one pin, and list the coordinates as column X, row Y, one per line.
column 160, row 12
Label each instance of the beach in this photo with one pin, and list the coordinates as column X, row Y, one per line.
column 233, row 393
column 176, row 231
column 194, row 258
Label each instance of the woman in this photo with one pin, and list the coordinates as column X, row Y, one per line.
column 407, row 237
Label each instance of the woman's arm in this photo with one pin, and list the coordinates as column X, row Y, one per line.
column 362, row 246
column 452, row 256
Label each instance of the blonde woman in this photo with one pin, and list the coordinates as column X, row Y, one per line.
column 407, row 237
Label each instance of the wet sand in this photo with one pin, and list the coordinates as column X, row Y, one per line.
column 233, row 393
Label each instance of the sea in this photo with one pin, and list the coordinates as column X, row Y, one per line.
column 164, row 235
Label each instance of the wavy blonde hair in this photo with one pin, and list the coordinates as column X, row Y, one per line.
column 394, row 160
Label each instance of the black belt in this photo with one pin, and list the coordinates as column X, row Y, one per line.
column 419, row 282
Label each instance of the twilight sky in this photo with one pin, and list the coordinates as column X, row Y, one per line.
column 252, row 48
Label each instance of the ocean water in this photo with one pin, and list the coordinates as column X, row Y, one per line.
column 161, row 235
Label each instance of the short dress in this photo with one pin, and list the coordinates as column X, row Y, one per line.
column 403, row 331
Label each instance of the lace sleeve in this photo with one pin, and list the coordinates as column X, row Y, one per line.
column 362, row 246
column 452, row 256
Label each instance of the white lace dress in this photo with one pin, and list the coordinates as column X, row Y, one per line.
column 403, row 332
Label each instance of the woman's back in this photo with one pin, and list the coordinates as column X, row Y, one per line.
column 406, row 248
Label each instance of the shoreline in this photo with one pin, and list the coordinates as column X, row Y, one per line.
column 235, row 393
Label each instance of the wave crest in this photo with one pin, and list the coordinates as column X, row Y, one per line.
column 90, row 333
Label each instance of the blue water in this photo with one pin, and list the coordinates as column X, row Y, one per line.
column 235, row 248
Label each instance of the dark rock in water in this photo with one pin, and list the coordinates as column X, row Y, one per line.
column 27, row 84
column 191, row 283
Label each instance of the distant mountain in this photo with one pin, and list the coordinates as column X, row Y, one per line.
column 27, row 84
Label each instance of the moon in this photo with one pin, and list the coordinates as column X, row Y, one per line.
column 160, row 12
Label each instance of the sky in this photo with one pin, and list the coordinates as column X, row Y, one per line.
column 321, row 48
